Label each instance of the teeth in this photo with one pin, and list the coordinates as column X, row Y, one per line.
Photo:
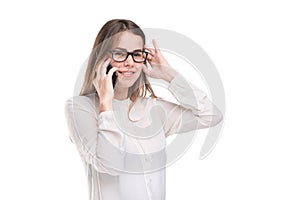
column 127, row 73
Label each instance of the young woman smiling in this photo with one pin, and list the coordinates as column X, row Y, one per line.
column 119, row 131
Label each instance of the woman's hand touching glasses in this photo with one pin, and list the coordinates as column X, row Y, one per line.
column 160, row 67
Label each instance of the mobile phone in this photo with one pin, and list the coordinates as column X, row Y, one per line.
column 114, row 76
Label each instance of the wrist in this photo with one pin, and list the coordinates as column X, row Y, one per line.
column 103, row 106
column 169, row 75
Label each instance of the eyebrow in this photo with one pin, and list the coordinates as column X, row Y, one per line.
column 123, row 49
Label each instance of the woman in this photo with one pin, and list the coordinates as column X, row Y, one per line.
column 121, row 133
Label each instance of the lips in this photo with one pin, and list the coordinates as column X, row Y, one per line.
column 126, row 73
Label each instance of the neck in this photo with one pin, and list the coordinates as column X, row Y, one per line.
column 120, row 93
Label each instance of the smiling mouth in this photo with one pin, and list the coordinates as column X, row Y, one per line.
column 126, row 73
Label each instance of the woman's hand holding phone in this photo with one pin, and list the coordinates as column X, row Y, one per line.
column 104, row 86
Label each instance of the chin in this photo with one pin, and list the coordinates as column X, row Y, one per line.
column 125, row 84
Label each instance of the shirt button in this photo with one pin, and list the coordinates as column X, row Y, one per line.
column 147, row 158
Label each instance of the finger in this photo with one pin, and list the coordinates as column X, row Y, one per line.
column 149, row 57
column 155, row 45
column 151, row 50
column 112, row 70
column 96, row 85
column 99, row 69
column 104, row 67
column 98, row 72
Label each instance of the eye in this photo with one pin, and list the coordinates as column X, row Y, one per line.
column 138, row 54
column 119, row 54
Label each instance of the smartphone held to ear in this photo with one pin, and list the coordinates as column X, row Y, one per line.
column 114, row 76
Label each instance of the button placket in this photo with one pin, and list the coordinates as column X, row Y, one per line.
column 148, row 185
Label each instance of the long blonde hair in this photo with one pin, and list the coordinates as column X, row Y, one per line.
column 102, row 46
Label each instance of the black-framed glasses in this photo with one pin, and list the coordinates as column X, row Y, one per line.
column 138, row 56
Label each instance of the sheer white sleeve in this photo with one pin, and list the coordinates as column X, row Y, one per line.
column 96, row 136
column 195, row 110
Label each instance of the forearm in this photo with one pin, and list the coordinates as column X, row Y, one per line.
column 195, row 110
column 169, row 74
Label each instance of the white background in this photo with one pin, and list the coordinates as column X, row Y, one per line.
column 255, row 46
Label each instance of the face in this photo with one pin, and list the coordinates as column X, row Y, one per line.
column 128, row 70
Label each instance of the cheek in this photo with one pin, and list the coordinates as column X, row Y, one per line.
column 115, row 64
column 139, row 69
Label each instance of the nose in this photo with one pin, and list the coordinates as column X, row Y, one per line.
column 129, row 61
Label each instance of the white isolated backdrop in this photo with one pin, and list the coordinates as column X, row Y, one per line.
column 254, row 45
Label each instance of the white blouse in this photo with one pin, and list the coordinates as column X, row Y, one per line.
column 123, row 159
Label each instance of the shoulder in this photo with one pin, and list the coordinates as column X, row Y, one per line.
column 88, row 101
